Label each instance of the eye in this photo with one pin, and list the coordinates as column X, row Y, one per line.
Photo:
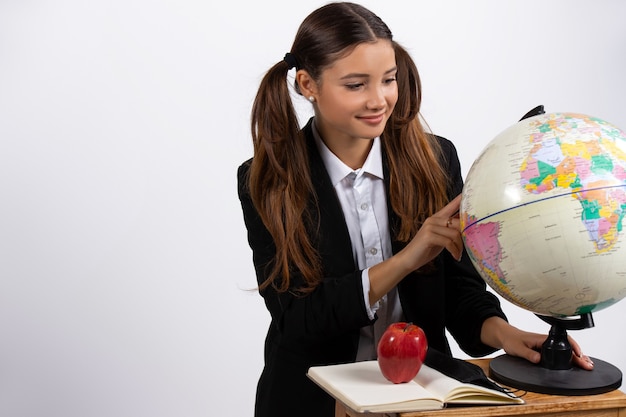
column 390, row 80
column 354, row 86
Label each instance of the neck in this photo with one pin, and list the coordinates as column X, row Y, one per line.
column 350, row 150
column 352, row 153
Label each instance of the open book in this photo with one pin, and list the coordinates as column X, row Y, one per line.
column 362, row 387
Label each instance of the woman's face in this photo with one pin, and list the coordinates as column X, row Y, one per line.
column 356, row 95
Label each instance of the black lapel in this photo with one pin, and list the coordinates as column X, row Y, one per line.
column 334, row 239
column 394, row 220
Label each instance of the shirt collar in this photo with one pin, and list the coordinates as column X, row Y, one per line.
column 337, row 170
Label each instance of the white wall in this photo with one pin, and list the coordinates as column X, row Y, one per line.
column 124, row 269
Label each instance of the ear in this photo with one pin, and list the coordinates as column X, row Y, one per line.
column 306, row 84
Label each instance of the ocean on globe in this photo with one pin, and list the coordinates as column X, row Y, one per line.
column 542, row 214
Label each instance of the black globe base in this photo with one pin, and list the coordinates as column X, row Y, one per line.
column 555, row 374
column 519, row 373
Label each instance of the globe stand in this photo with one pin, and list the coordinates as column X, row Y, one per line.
column 556, row 374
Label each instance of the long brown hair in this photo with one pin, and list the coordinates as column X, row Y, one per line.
column 280, row 183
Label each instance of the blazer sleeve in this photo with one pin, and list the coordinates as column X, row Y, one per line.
column 335, row 308
column 468, row 303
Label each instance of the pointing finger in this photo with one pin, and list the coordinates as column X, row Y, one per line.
column 451, row 208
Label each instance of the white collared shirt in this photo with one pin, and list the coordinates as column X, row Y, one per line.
column 361, row 194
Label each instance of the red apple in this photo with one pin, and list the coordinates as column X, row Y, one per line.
column 401, row 351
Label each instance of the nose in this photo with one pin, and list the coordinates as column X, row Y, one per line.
column 376, row 98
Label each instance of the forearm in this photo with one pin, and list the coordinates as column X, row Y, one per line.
column 386, row 275
column 494, row 332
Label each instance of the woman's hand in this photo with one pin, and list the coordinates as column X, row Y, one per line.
column 499, row 334
column 440, row 231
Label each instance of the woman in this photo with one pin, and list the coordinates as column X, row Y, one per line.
column 352, row 219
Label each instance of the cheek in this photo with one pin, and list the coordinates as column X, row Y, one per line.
column 341, row 104
column 331, row 109
column 392, row 99
column 392, row 95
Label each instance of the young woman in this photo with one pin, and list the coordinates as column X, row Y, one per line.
column 352, row 219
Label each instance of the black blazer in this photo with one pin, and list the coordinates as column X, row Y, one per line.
column 323, row 327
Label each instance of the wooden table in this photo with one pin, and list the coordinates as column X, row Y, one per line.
column 610, row 404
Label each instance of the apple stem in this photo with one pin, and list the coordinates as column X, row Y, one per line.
column 409, row 324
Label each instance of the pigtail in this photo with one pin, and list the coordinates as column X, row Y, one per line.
column 280, row 183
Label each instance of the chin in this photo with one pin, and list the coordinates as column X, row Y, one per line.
column 374, row 133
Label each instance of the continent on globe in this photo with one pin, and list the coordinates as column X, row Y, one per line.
column 542, row 214
column 582, row 168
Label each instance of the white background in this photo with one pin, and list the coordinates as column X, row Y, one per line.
column 125, row 276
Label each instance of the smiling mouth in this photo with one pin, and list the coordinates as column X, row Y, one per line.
column 373, row 119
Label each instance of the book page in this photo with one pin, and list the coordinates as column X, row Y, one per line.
column 455, row 391
column 362, row 387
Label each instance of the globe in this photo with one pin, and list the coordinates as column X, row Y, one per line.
column 542, row 214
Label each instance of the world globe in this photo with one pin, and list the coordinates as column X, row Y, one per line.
column 542, row 214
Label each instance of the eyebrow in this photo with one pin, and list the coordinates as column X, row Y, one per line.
column 357, row 75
